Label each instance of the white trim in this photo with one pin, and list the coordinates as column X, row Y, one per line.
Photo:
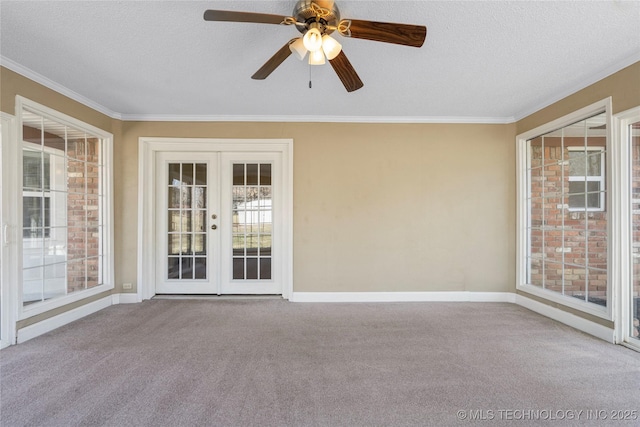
column 632, row 345
column 568, row 301
column 108, row 273
column 568, row 119
column 60, row 117
column 124, row 298
column 48, row 83
column 461, row 296
column 316, row 119
column 147, row 149
column 582, row 84
column 145, row 265
column 566, row 318
column 53, row 303
column 63, row 90
column 622, row 201
column 584, row 325
column 522, row 212
column 590, row 178
column 287, row 229
column 54, row 322
column 8, row 231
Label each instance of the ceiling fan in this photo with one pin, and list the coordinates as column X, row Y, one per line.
column 316, row 20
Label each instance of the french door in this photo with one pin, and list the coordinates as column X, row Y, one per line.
column 217, row 223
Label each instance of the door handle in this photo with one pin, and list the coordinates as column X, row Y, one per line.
column 213, row 227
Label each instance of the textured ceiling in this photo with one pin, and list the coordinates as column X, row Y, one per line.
column 482, row 61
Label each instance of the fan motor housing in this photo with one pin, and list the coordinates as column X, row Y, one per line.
column 307, row 11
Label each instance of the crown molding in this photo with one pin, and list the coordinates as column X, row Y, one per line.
column 586, row 82
column 63, row 90
column 316, row 119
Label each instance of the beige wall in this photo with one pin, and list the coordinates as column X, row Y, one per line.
column 12, row 84
column 377, row 207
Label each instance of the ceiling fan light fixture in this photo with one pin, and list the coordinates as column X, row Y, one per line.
column 315, row 20
column 316, row 57
column 312, row 39
column 298, row 48
column 330, row 47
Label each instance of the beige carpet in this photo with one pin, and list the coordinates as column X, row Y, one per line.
column 274, row 363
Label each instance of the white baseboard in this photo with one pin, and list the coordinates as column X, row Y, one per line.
column 127, row 298
column 54, row 322
column 462, row 296
column 569, row 319
column 584, row 325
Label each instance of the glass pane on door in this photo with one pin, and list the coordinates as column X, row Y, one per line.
column 186, row 228
column 634, row 131
column 252, row 220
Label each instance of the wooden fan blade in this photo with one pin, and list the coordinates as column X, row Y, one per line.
column 346, row 72
column 405, row 34
column 273, row 62
column 260, row 18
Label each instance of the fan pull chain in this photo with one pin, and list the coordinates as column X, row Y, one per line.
column 310, row 75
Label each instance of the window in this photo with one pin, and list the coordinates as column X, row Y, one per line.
column 36, row 210
column 586, row 178
column 36, row 194
column 564, row 241
column 252, row 221
column 66, row 209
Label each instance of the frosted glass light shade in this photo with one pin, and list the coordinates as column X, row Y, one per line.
column 316, row 58
column 312, row 40
column 330, row 47
column 298, row 48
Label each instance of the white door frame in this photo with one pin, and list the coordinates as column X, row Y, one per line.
column 8, row 221
column 621, row 153
column 148, row 147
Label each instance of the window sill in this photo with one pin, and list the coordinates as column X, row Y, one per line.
column 571, row 302
column 44, row 306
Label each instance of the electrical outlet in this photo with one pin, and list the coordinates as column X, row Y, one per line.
column 127, row 286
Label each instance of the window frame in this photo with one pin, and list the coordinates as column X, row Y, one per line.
column 522, row 215
column 623, row 198
column 588, row 178
column 53, row 159
column 8, row 242
column 108, row 276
